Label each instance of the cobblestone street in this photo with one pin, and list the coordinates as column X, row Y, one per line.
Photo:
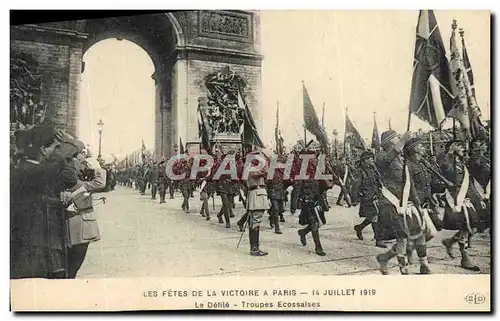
column 142, row 238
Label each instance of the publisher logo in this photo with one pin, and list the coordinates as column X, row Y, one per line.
column 475, row 298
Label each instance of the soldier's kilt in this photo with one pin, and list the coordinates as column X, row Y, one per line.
column 367, row 209
column 308, row 214
column 456, row 221
column 391, row 222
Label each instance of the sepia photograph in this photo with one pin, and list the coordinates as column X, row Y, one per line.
column 271, row 160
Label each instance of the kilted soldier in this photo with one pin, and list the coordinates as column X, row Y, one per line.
column 257, row 203
column 460, row 214
column 395, row 225
column 480, row 170
column 276, row 193
column 186, row 184
column 341, row 167
column 295, row 202
column 422, row 179
column 224, row 190
column 369, row 192
column 161, row 180
column 310, row 193
column 152, row 179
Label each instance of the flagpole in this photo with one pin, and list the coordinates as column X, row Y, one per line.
column 305, row 129
column 345, row 123
column 323, row 116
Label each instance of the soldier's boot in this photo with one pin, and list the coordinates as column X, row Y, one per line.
column 227, row 218
column 317, row 243
column 254, row 242
column 359, row 229
column 219, row 216
column 383, row 260
column 302, row 233
column 448, row 244
column 241, row 222
column 403, row 265
column 466, row 263
column 282, row 219
column 277, row 225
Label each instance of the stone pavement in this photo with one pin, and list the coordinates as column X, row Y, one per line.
column 142, row 238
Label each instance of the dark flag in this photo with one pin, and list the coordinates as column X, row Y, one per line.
column 431, row 97
column 248, row 130
column 143, row 151
column 375, row 135
column 352, row 135
column 205, row 131
column 311, row 120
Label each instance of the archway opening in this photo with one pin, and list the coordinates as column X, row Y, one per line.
column 117, row 88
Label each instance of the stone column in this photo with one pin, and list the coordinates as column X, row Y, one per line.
column 75, row 76
column 179, row 103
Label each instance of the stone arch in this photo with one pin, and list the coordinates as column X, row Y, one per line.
column 159, row 35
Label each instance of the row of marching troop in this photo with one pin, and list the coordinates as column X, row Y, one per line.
column 407, row 189
column 374, row 180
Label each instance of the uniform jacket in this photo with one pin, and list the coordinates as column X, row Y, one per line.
column 83, row 228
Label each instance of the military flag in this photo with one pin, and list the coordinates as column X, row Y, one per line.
column 277, row 132
column 375, row 135
column 248, row 129
column 431, row 97
column 352, row 135
column 311, row 121
column 143, row 150
column 476, row 126
column 460, row 110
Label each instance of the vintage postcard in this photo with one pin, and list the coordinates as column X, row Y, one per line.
column 251, row 160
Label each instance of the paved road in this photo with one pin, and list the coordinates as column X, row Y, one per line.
column 142, row 238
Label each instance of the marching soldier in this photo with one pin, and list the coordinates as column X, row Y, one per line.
column 460, row 215
column 390, row 166
column 152, row 179
column 415, row 151
column 186, row 184
column 257, row 204
column 276, row 193
column 161, row 181
column 480, row 169
column 310, row 193
column 369, row 191
column 341, row 167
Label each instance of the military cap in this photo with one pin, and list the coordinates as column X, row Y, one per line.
column 411, row 143
column 387, row 136
column 70, row 147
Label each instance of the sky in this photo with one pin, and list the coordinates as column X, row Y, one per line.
column 361, row 60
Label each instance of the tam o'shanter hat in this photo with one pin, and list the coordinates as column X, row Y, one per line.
column 411, row 143
column 387, row 136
